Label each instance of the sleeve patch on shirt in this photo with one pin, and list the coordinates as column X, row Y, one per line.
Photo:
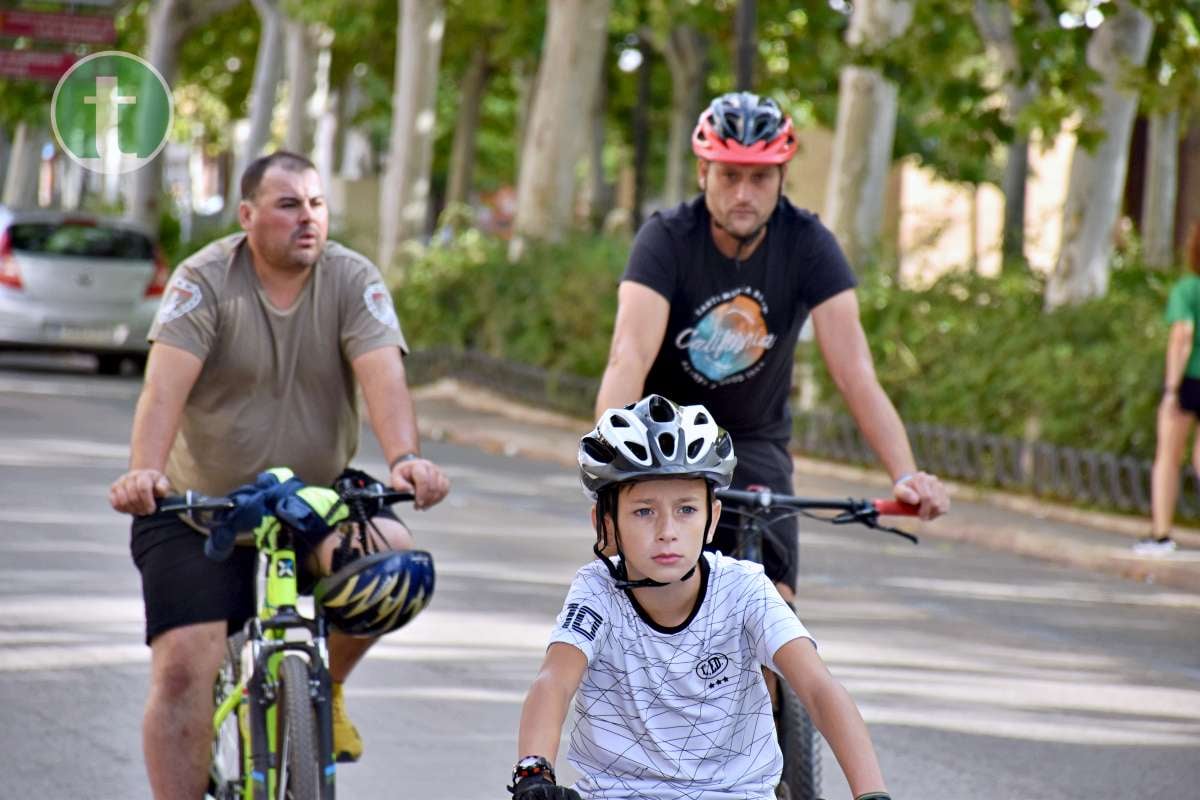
column 182, row 297
column 582, row 620
column 379, row 303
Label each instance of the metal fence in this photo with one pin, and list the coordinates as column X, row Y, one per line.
column 1089, row 477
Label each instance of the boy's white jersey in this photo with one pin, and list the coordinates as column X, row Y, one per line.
column 668, row 714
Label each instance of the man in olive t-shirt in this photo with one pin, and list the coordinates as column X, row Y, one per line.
column 257, row 348
column 276, row 386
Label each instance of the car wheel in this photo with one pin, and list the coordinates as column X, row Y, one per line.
column 109, row 364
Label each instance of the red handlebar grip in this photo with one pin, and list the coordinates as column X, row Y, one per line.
column 895, row 508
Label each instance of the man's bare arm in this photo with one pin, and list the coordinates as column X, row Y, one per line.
column 381, row 374
column 171, row 372
column 641, row 322
column 848, row 358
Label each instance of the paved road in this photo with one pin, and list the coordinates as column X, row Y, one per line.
column 980, row 674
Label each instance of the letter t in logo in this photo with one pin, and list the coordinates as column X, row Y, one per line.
column 107, row 100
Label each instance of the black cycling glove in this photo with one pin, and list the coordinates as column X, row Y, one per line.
column 539, row 787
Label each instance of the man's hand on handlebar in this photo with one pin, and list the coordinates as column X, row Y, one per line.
column 923, row 490
column 423, row 478
column 136, row 490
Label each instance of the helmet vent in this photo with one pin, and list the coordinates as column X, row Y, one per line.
column 597, row 451
column 666, row 443
column 694, row 449
column 662, row 409
column 618, row 422
column 701, row 419
column 638, row 451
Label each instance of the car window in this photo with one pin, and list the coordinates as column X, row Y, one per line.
column 67, row 239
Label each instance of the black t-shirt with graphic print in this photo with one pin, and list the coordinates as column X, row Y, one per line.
column 733, row 326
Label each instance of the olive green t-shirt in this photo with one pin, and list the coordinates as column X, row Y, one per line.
column 1183, row 305
column 277, row 387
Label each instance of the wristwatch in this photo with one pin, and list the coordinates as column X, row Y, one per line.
column 402, row 458
column 532, row 765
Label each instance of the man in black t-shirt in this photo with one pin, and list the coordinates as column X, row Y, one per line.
column 712, row 302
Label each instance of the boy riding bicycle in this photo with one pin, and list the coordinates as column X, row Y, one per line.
column 662, row 646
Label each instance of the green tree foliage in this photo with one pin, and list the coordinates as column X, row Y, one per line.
column 1172, row 75
column 467, row 294
column 978, row 353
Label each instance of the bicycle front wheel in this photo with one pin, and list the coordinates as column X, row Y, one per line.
column 299, row 765
column 801, row 746
column 225, row 770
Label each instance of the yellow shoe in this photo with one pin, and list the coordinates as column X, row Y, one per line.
column 347, row 744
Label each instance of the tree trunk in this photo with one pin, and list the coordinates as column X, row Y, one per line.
column 686, row 53
column 301, row 75
column 404, row 192
column 268, row 69
column 1098, row 178
column 24, row 163
column 1162, row 183
column 746, row 32
column 462, row 152
column 641, row 140
column 994, row 20
column 165, row 29
column 866, row 126
column 596, row 192
column 525, row 80
column 166, row 25
column 72, row 187
column 5, row 153
column 576, row 40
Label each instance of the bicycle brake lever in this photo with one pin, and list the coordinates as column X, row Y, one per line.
column 869, row 517
column 902, row 534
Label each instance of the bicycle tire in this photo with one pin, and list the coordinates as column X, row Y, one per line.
column 299, row 764
column 801, row 746
column 228, row 745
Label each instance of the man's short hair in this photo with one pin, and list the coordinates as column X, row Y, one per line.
column 252, row 177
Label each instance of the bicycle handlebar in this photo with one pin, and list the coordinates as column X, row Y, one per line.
column 194, row 501
column 862, row 512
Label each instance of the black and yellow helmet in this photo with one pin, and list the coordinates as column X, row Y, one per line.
column 377, row 593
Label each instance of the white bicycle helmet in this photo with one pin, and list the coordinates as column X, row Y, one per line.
column 655, row 438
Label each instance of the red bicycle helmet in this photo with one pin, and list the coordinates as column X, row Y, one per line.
column 742, row 128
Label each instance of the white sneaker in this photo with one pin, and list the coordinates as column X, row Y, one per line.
column 1151, row 546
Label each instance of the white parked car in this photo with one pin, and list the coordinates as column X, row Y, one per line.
column 76, row 282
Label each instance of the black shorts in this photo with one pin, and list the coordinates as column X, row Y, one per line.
column 764, row 464
column 182, row 586
column 1189, row 396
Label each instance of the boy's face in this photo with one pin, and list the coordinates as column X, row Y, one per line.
column 661, row 523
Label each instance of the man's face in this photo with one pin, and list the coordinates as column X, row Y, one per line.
column 740, row 197
column 287, row 220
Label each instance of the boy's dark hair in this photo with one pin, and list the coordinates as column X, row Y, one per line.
column 253, row 175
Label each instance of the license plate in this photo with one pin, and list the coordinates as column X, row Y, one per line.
column 87, row 334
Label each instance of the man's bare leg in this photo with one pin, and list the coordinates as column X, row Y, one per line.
column 177, row 725
column 346, row 651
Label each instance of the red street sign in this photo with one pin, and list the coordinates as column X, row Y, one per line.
column 50, row 27
column 35, row 65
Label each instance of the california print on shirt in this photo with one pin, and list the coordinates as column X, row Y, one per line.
column 729, row 339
